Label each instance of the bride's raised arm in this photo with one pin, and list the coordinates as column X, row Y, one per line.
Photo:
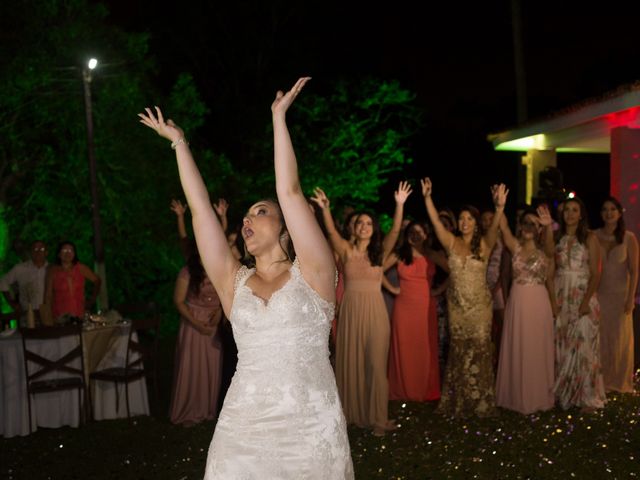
column 216, row 256
column 314, row 254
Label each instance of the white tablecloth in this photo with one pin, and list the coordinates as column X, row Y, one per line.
column 57, row 409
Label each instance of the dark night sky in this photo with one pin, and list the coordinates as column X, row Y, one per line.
column 456, row 56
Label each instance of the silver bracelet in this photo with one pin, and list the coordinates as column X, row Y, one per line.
column 178, row 142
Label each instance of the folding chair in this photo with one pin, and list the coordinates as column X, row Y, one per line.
column 74, row 379
column 141, row 359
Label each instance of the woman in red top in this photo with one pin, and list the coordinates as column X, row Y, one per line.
column 65, row 284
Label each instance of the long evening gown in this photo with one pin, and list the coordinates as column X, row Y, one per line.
column 525, row 369
column 362, row 346
column 412, row 363
column 468, row 386
column 578, row 372
column 282, row 417
column 198, row 361
column 616, row 327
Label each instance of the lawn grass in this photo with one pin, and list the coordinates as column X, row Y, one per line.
column 556, row 444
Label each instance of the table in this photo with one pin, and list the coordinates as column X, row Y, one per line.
column 104, row 347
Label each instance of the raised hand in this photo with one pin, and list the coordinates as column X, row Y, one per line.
column 403, row 192
column 178, row 207
column 320, row 198
column 426, row 187
column 499, row 193
column 168, row 129
column 284, row 100
column 544, row 217
column 221, row 207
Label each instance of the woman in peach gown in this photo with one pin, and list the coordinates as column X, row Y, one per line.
column 413, row 358
column 525, row 368
column 362, row 343
column 616, row 293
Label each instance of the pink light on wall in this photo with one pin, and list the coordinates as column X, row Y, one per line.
column 624, row 118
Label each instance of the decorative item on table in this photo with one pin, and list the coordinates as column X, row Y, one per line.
column 31, row 319
column 67, row 319
column 7, row 332
column 112, row 317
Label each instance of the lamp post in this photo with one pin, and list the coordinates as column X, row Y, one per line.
column 98, row 246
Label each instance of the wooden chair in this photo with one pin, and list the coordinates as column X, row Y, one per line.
column 75, row 375
column 140, row 361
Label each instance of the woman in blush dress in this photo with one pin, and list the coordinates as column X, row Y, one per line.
column 616, row 294
column 577, row 327
column 468, row 387
column 282, row 416
column 198, row 357
column 525, row 368
column 413, row 357
column 362, row 342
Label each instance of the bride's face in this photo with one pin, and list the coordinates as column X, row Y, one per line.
column 261, row 227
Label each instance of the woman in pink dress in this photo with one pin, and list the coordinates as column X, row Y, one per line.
column 65, row 280
column 525, row 368
column 616, row 293
column 198, row 357
column 413, row 358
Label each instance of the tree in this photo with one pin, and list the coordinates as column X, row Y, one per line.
column 43, row 156
column 349, row 140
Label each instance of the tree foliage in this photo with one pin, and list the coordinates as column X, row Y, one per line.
column 350, row 140
column 44, row 180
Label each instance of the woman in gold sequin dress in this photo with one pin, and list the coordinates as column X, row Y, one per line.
column 468, row 387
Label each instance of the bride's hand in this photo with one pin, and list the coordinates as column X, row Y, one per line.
column 168, row 129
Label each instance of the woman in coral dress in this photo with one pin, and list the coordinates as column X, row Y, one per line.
column 362, row 343
column 577, row 327
column 413, row 356
column 468, row 387
column 198, row 358
column 65, row 285
column 616, row 294
column 525, row 367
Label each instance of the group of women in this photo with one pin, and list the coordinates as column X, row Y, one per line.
column 571, row 342
column 286, row 411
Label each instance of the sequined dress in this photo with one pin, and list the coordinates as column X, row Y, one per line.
column 468, row 387
column 282, row 417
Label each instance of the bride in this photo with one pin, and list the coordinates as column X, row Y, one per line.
column 282, row 416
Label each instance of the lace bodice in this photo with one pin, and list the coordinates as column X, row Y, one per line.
column 295, row 319
column 529, row 268
column 282, row 416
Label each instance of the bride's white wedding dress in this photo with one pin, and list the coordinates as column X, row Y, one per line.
column 282, row 417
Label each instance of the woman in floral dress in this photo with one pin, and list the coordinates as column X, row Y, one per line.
column 577, row 325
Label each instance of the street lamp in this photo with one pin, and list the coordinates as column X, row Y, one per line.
column 98, row 247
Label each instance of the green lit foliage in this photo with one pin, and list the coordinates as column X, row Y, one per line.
column 349, row 141
column 44, row 180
